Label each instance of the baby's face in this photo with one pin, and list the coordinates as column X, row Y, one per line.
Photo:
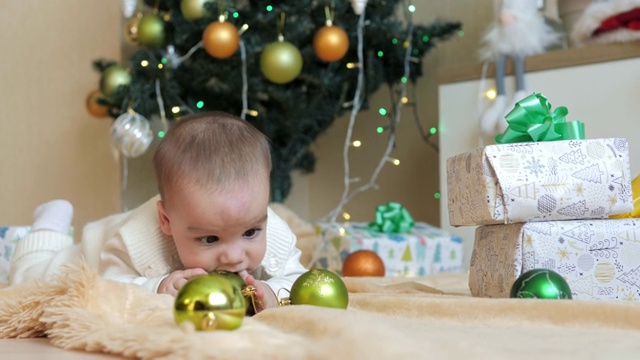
column 218, row 230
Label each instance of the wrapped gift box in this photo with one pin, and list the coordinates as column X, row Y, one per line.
column 9, row 237
column 424, row 250
column 600, row 259
column 539, row 181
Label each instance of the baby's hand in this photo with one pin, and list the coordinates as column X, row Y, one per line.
column 265, row 297
column 174, row 282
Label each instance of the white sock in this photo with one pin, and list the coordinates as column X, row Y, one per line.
column 55, row 215
column 492, row 115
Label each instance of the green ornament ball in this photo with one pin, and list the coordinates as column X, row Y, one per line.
column 541, row 284
column 320, row 287
column 193, row 9
column 210, row 302
column 150, row 30
column 281, row 62
column 112, row 78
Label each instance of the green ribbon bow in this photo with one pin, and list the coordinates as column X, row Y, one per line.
column 532, row 120
column 391, row 218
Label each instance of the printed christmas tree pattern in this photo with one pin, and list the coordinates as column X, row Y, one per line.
column 406, row 257
column 575, row 210
column 582, row 233
column 591, row 173
column 632, row 277
column 574, row 157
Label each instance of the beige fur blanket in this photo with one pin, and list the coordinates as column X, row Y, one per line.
column 387, row 318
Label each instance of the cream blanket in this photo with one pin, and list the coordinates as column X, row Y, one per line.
column 428, row 318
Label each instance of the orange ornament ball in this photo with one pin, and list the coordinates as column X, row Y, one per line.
column 363, row 263
column 93, row 107
column 330, row 43
column 220, row 39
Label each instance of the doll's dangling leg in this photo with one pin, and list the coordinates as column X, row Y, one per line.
column 521, row 92
column 493, row 114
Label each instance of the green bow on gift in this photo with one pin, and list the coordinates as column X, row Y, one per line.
column 391, row 218
column 532, row 120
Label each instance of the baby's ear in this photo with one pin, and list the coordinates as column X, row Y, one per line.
column 165, row 223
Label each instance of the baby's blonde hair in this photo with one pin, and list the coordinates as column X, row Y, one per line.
column 211, row 150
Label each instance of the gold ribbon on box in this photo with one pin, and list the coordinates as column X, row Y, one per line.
column 391, row 218
column 532, row 120
column 635, row 191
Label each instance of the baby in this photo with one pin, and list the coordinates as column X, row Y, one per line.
column 211, row 214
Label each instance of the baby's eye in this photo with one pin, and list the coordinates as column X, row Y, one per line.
column 209, row 239
column 251, row 233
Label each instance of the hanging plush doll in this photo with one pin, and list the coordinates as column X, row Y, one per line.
column 518, row 31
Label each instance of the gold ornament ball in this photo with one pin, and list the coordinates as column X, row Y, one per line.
column 131, row 29
column 210, row 302
column 281, row 62
column 330, row 43
column 93, row 107
column 113, row 77
column 193, row 9
column 320, row 287
column 151, row 30
column 220, row 39
column 363, row 263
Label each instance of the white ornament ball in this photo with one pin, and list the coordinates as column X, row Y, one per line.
column 358, row 6
column 131, row 134
column 129, row 7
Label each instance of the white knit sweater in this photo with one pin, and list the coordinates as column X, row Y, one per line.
column 131, row 248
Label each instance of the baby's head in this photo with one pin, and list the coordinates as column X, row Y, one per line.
column 213, row 177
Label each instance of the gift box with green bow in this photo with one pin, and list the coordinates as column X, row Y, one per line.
column 407, row 248
column 542, row 169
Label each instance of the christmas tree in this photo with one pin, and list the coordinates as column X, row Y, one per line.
column 289, row 67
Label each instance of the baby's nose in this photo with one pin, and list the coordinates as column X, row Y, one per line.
column 232, row 254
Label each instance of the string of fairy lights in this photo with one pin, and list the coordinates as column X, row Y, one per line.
column 399, row 99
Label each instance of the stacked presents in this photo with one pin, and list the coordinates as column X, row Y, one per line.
column 547, row 204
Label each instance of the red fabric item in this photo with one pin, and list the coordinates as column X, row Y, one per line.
column 629, row 20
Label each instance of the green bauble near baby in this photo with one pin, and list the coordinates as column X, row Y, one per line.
column 541, row 284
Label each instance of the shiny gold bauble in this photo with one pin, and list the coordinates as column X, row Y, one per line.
column 363, row 263
column 151, row 30
column 113, row 77
column 210, row 302
column 131, row 29
column 330, row 43
column 281, row 62
column 220, row 39
column 320, row 287
column 193, row 9
column 93, row 107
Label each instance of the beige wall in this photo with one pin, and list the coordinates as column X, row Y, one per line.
column 50, row 146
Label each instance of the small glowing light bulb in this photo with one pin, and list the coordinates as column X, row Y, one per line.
column 175, row 109
column 491, row 94
column 144, row 63
column 346, row 215
column 396, row 162
column 356, row 143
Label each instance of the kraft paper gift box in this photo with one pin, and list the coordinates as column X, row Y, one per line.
column 600, row 259
column 539, row 181
column 424, row 250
